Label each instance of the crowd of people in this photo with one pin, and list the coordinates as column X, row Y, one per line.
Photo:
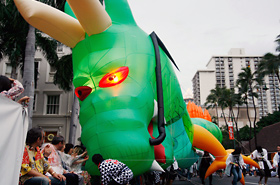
column 51, row 163
column 58, row 163
column 235, row 166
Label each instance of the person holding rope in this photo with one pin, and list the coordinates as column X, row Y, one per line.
column 204, row 162
column 234, row 165
column 260, row 154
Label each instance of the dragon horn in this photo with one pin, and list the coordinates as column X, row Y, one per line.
column 216, row 165
column 119, row 11
column 91, row 15
column 204, row 140
column 242, row 180
column 55, row 23
column 156, row 167
column 250, row 161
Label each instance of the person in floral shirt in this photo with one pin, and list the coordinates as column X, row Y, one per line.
column 11, row 89
column 34, row 165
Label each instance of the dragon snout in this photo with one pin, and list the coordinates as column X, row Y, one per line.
column 119, row 134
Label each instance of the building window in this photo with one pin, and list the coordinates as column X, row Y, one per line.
column 36, row 71
column 51, row 73
column 53, row 104
column 34, row 102
column 8, row 71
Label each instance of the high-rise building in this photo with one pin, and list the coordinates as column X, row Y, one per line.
column 224, row 69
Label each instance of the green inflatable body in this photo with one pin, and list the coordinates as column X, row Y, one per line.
column 211, row 127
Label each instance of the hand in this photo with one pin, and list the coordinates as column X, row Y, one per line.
column 24, row 99
column 47, row 151
column 12, row 80
column 59, row 177
column 235, row 164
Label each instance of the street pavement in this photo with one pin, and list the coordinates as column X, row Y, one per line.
column 224, row 180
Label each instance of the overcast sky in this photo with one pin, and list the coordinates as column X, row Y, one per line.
column 195, row 30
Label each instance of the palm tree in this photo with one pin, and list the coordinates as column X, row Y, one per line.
column 26, row 39
column 213, row 99
column 12, row 45
column 63, row 78
column 278, row 42
column 269, row 64
column 19, row 48
column 247, row 82
column 231, row 99
column 223, row 103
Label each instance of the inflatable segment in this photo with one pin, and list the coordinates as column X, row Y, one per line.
column 211, row 127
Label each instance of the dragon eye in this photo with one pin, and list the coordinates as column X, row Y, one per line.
column 83, row 92
column 115, row 77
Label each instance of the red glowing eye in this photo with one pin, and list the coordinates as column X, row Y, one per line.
column 83, row 92
column 114, row 77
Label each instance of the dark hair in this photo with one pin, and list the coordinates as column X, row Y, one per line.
column 259, row 149
column 57, row 139
column 33, row 134
column 68, row 146
column 5, row 83
column 97, row 159
column 236, row 151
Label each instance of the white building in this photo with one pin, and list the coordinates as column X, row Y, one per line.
column 224, row 69
column 52, row 106
column 203, row 81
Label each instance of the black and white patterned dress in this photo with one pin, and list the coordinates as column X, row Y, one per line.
column 111, row 169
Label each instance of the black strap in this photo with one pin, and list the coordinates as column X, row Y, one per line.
column 161, row 127
column 162, row 46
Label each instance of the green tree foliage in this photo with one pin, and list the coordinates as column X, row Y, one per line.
column 14, row 29
column 270, row 119
column 63, row 76
column 278, row 43
column 212, row 100
column 269, row 64
column 245, row 134
column 247, row 84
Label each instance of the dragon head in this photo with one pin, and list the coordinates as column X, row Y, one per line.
column 114, row 75
column 113, row 79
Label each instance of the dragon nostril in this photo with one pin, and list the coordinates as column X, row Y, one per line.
column 82, row 92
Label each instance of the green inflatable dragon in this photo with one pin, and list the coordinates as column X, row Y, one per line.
column 131, row 105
